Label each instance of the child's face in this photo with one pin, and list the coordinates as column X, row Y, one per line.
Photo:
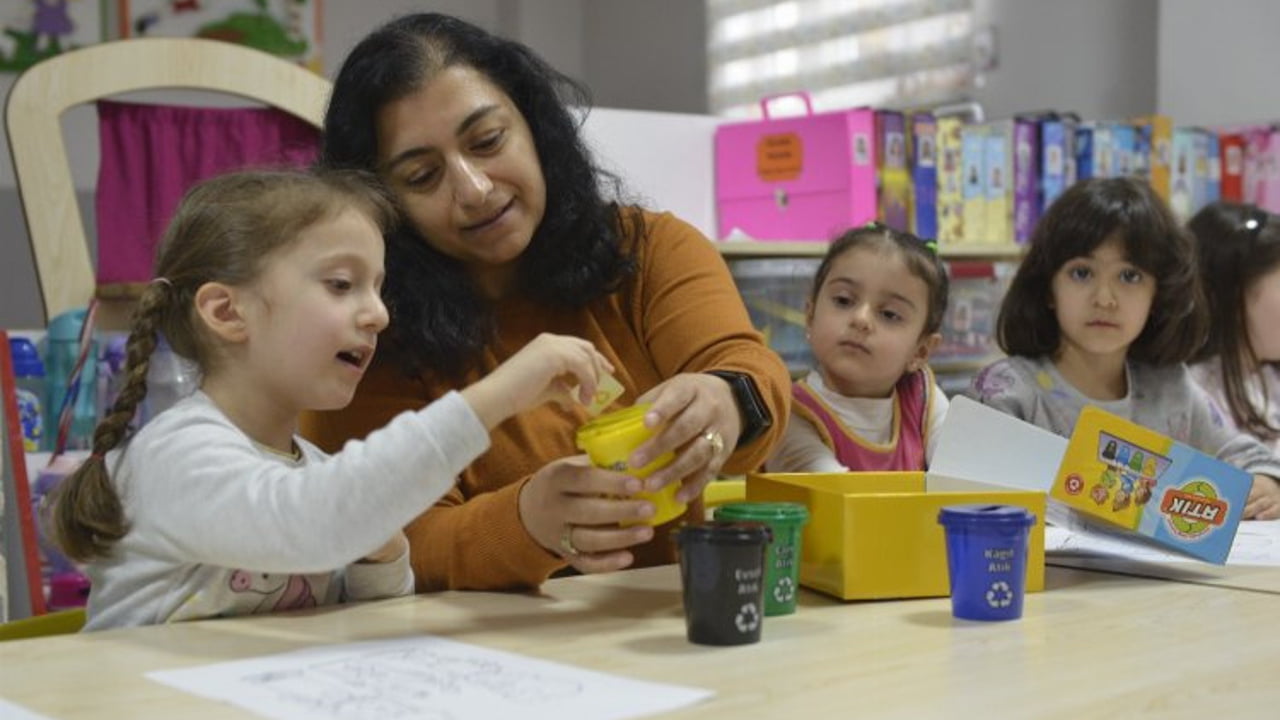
column 314, row 314
column 1101, row 301
column 867, row 321
column 1262, row 315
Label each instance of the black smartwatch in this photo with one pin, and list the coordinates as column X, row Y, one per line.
column 756, row 417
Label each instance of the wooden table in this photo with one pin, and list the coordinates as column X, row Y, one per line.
column 1094, row 645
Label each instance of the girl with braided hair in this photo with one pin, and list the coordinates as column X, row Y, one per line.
column 270, row 281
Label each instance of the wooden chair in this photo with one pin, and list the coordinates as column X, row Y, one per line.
column 43, row 93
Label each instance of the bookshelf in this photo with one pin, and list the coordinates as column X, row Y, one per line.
column 775, row 278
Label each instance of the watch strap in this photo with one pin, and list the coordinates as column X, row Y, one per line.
column 755, row 415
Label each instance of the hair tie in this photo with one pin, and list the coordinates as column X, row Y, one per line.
column 1256, row 221
column 100, row 457
column 931, row 246
column 162, row 281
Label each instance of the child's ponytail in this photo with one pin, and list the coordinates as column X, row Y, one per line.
column 88, row 517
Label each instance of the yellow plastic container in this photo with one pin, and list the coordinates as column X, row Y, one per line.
column 610, row 439
column 876, row 535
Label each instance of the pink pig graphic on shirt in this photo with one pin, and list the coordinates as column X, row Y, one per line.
column 296, row 593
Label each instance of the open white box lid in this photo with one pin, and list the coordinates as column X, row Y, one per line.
column 983, row 445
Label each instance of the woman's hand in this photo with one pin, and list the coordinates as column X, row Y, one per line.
column 1264, row 499
column 698, row 419
column 572, row 509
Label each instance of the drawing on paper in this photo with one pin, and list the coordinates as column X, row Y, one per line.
column 397, row 683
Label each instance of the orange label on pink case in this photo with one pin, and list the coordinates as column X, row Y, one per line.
column 779, row 157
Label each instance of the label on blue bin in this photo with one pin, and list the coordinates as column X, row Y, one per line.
column 987, row 550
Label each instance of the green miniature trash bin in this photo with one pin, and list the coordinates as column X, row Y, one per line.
column 782, row 561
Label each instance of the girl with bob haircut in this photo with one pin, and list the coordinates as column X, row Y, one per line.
column 1105, row 309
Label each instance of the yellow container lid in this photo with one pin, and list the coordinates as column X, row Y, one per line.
column 606, row 427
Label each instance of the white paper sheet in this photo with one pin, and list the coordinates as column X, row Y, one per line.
column 423, row 677
column 1256, row 543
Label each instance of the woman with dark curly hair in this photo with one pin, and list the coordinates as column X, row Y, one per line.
column 507, row 233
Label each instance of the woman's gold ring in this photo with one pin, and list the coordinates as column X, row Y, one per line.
column 716, row 440
column 566, row 542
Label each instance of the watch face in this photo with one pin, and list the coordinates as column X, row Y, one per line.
column 755, row 414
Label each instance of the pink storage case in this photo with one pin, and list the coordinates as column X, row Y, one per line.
column 798, row 178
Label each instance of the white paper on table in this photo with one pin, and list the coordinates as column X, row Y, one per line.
column 1257, row 542
column 423, row 677
column 10, row 711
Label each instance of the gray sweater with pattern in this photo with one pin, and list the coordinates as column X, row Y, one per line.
column 1165, row 399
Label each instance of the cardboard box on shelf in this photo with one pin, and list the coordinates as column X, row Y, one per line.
column 950, row 180
column 922, row 156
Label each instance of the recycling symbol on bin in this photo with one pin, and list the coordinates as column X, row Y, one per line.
column 748, row 618
column 999, row 595
column 784, row 590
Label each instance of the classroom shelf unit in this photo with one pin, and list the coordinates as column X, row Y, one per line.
column 775, row 278
column 816, row 248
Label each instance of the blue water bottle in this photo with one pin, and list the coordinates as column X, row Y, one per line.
column 60, row 360
column 111, row 372
column 28, row 375
column 170, row 378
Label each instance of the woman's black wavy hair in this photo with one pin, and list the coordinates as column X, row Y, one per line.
column 439, row 321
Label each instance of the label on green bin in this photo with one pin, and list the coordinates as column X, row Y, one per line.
column 782, row 559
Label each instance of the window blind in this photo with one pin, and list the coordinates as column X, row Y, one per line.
column 844, row 53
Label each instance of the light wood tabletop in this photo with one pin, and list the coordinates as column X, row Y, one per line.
column 1093, row 645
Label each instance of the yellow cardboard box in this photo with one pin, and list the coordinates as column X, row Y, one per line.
column 876, row 535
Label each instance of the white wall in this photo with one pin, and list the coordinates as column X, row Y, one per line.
column 1218, row 61
column 1096, row 57
column 648, row 55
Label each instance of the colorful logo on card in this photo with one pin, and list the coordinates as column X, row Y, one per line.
column 1130, row 474
column 1193, row 509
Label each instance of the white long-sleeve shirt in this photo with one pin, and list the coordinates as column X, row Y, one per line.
column 220, row 525
column 802, row 449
